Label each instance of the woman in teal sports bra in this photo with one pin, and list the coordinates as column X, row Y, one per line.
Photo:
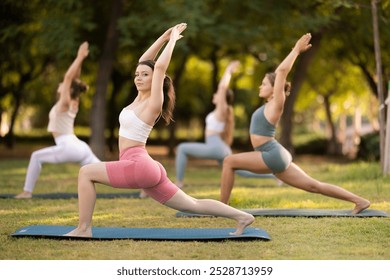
column 270, row 155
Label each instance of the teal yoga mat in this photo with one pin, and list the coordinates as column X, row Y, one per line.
column 178, row 234
column 314, row 213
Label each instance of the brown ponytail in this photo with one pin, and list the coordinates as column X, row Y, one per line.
column 227, row 134
column 169, row 100
column 77, row 88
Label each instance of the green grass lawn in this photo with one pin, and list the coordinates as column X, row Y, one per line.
column 292, row 238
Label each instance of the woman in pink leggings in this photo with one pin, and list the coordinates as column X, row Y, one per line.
column 136, row 169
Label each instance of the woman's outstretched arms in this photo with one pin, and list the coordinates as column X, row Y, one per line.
column 72, row 73
column 223, row 86
column 152, row 51
column 161, row 66
column 284, row 68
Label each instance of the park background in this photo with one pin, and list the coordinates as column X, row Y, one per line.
column 330, row 122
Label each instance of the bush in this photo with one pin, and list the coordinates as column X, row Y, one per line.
column 316, row 146
column 369, row 147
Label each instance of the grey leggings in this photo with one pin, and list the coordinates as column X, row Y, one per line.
column 213, row 148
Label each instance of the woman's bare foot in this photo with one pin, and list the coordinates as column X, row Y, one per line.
column 23, row 195
column 80, row 233
column 242, row 223
column 279, row 182
column 360, row 206
column 143, row 194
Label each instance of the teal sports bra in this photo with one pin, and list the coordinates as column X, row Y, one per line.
column 260, row 125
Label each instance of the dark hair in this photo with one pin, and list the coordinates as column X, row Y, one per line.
column 272, row 76
column 227, row 134
column 229, row 96
column 77, row 88
column 169, row 93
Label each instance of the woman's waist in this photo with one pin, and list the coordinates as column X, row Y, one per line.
column 258, row 140
column 132, row 152
column 56, row 134
column 63, row 137
column 213, row 133
column 125, row 144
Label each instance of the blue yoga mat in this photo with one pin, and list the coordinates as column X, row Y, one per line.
column 62, row 195
column 110, row 233
column 313, row 213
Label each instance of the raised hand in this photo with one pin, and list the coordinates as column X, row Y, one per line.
column 233, row 66
column 167, row 34
column 83, row 50
column 177, row 30
column 303, row 44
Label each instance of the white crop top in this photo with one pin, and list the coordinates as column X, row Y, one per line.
column 131, row 127
column 61, row 122
column 212, row 124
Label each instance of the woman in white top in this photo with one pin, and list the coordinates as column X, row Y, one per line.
column 136, row 169
column 68, row 147
column 218, row 132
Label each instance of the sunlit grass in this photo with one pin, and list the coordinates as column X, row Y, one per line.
column 292, row 238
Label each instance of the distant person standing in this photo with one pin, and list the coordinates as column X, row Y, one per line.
column 68, row 147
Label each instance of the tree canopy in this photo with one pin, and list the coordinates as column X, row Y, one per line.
column 39, row 39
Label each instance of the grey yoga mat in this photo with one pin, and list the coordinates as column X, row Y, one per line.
column 367, row 213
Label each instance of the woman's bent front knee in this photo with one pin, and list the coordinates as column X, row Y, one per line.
column 228, row 162
column 87, row 171
column 83, row 171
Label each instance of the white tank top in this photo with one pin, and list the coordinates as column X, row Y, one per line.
column 131, row 127
column 212, row 124
column 61, row 122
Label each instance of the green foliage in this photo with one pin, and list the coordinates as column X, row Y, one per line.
column 369, row 147
column 40, row 37
column 314, row 147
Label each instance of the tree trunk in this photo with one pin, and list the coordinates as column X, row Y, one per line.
column 98, row 116
column 172, row 126
column 9, row 138
column 333, row 145
column 118, row 81
column 378, row 62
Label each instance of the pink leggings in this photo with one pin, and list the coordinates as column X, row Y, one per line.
column 137, row 170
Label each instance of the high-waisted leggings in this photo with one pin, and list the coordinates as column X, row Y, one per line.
column 68, row 148
column 137, row 170
column 213, row 148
